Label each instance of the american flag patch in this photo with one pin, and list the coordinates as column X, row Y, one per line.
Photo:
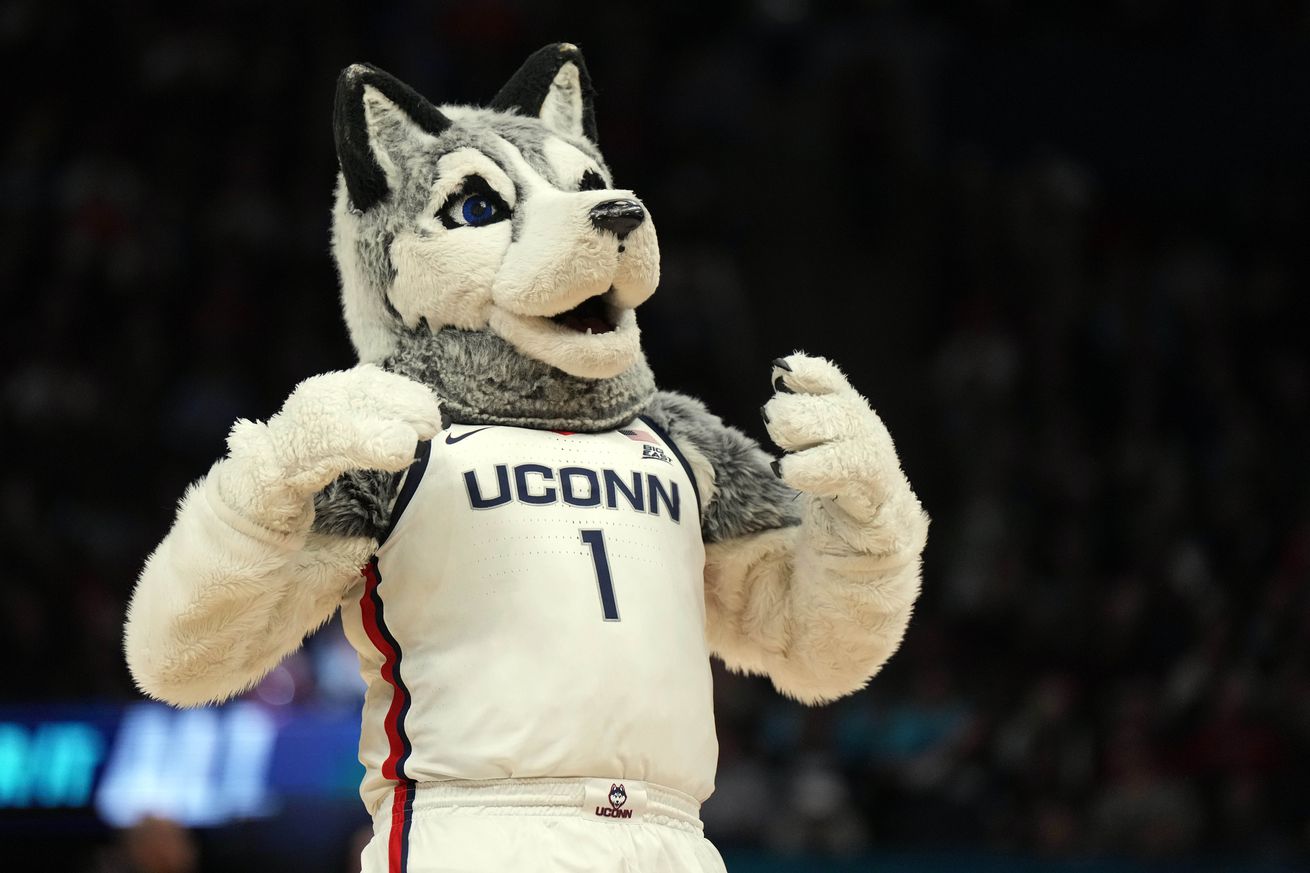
column 640, row 436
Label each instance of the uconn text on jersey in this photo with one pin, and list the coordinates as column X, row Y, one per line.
column 539, row 485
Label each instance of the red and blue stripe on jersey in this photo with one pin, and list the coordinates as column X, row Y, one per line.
column 399, row 748
column 372, row 611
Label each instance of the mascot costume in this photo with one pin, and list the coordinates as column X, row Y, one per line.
column 534, row 550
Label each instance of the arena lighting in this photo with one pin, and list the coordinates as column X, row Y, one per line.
column 112, row 765
column 50, row 766
column 197, row 766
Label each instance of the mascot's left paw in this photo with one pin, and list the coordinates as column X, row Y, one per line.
column 837, row 446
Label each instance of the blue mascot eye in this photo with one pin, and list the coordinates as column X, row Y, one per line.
column 478, row 210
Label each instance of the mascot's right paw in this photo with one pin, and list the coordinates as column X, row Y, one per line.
column 359, row 419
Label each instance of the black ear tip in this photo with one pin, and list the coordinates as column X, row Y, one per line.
column 555, row 55
column 352, row 80
column 565, row 51
column 357, row 75
column 354, row 71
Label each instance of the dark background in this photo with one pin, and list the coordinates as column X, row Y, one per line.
column 1061, row 247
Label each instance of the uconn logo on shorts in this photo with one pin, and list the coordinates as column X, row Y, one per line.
column 618, row 797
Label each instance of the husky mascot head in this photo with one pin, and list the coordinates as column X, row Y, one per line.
column 487, row 251
column 618, row 796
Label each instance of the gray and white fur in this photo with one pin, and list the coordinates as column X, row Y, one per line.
column 490, row 274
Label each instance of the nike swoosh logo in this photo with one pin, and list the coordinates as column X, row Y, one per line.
column 451, row 439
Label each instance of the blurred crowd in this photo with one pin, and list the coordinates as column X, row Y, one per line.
column 1064, row 255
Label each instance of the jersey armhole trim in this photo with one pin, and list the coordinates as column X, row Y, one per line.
column 413, row 476
column 677, row 453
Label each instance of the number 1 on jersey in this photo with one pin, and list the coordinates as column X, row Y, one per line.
column 595, row 540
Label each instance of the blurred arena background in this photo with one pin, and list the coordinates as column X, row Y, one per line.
column 1062, row 247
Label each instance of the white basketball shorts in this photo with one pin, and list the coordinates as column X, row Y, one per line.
column 539, row 826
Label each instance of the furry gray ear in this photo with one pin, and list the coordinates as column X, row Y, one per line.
column 553, row 84
column 369, row 99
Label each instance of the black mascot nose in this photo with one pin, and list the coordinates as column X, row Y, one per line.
column 620, row 217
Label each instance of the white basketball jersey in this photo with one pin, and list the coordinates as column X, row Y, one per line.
column 537, row 610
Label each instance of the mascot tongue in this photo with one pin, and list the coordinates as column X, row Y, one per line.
column 588, row 316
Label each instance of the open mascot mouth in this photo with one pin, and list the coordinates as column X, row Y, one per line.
column 592, row 315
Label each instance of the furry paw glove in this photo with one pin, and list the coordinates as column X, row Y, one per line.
column 840, row 453
column 359, row 419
